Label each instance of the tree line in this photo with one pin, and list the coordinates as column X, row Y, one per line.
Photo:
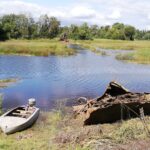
column 26, row 27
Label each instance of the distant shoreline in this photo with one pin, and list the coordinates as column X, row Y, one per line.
column 7, row 82
column 39, row 47
column 47, row 47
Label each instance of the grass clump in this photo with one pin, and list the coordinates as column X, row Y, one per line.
column 38, row 137
column 126, row 57
column 140, row 55
column 7, row 82
column 114, row 44
column 54, row 131
column 41, row 135
column 41, row 47
column 58, row 129
column 129, row 130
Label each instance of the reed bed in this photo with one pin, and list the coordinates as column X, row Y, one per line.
column 41, row 47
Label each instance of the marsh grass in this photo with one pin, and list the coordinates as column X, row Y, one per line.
column 41, row 47
column 126, row 57
column 141, row 48
column 114, row 44
column 54, row 131
column 140, row 56
column 40, row 136
column 7, row 82
column 129, row 130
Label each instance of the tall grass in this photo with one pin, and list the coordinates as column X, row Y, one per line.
column 41, row 47
column 53, row 131
column 115, row 44
column 140, row 55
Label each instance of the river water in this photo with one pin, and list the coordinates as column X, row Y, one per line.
column 54, row 78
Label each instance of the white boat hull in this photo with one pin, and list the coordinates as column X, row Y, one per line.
column 11, row 124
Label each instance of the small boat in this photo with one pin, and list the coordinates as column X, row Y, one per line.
column 19, row 118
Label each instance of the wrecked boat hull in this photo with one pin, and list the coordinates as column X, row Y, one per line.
column 116, row 112
column 117, row 103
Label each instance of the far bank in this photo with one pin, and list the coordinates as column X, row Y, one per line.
column 46, row 47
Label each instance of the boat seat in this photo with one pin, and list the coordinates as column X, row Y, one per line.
column 24, row 115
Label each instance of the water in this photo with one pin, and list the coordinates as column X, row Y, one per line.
column 51, row 78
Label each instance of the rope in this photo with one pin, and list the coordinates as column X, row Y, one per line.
column 142, row 120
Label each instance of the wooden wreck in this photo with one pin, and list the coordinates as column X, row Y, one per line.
column 117, row 103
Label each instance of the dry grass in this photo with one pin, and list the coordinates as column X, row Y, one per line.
column 55, row 130
column 41, row 47
column 7, row 82
column 140, row 55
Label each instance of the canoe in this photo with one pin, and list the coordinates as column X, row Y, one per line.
column 18, row 119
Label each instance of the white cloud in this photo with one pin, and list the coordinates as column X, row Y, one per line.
column 17, row 6
column 101, row 12
column 148, row 27
column 115, row 15
column 83, row 12
column 148, row 16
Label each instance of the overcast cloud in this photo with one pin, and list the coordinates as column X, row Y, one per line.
column 101, row 12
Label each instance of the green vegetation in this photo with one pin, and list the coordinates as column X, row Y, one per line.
column 7, row 82
column 129, row 130
column 45, row 47
column 40, row 136
column 42, row 47
column 141, row 53
column 55, row 130
column 141, row 56
column 114, row 44
column 21, row 26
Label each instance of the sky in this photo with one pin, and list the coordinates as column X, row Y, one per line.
column 100, row 12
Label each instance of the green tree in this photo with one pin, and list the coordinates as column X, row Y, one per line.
column 53, row 28
column 44, row 24
column 146, row 36
column 15, row 25
column 94, row 31
column 117, row 31
column 84, row 32
column 139, row 34
column 103, row 32
column 3, row 34
column 33, row 31
column 129, row 32
column 74, row 32
column 49, row 27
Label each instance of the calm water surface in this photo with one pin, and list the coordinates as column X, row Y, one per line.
column 51, row 78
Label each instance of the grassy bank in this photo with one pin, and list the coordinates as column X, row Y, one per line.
column 55, row 130
column 45, row 47
column 140, row 55
column 41, row 47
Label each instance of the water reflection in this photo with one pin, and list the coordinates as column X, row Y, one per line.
column 51, row 78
